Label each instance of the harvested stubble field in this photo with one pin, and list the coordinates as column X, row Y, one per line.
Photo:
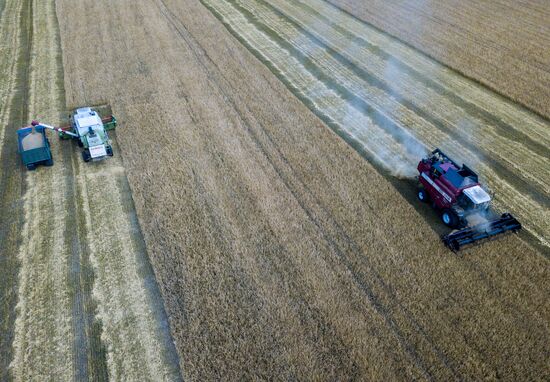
column 78, row 297
column 503, row 44
column 279, row 251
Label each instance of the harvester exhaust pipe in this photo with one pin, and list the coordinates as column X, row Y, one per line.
column 59, row 130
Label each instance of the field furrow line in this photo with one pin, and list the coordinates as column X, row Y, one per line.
column 9, row 51
column 409, row 60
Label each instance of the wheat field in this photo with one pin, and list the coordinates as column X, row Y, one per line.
column 395, row 103
column 256, row 221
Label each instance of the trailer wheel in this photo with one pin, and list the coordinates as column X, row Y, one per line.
column 86, row 155
column 79, row 143
column 422, row 195
column 449, row 218
column 31, row 167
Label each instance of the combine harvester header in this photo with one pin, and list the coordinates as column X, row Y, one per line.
column 456, row 192
column 470, row 235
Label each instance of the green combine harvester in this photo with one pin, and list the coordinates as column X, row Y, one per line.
column 86, row 127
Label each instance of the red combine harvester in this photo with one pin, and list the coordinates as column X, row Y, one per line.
column 456, row 192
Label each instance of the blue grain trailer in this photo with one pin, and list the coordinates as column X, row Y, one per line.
column 34, row 147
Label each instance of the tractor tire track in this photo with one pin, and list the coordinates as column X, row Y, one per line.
column 12, row 186
column 75, row 229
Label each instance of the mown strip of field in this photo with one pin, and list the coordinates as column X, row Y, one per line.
column 279, row 251
column 502, row 44
column 16, row 28
column 51, row 339
column 60, row 318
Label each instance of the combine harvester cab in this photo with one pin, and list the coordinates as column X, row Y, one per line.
column 34, row 147
column 92, row 133
column 455, row 191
